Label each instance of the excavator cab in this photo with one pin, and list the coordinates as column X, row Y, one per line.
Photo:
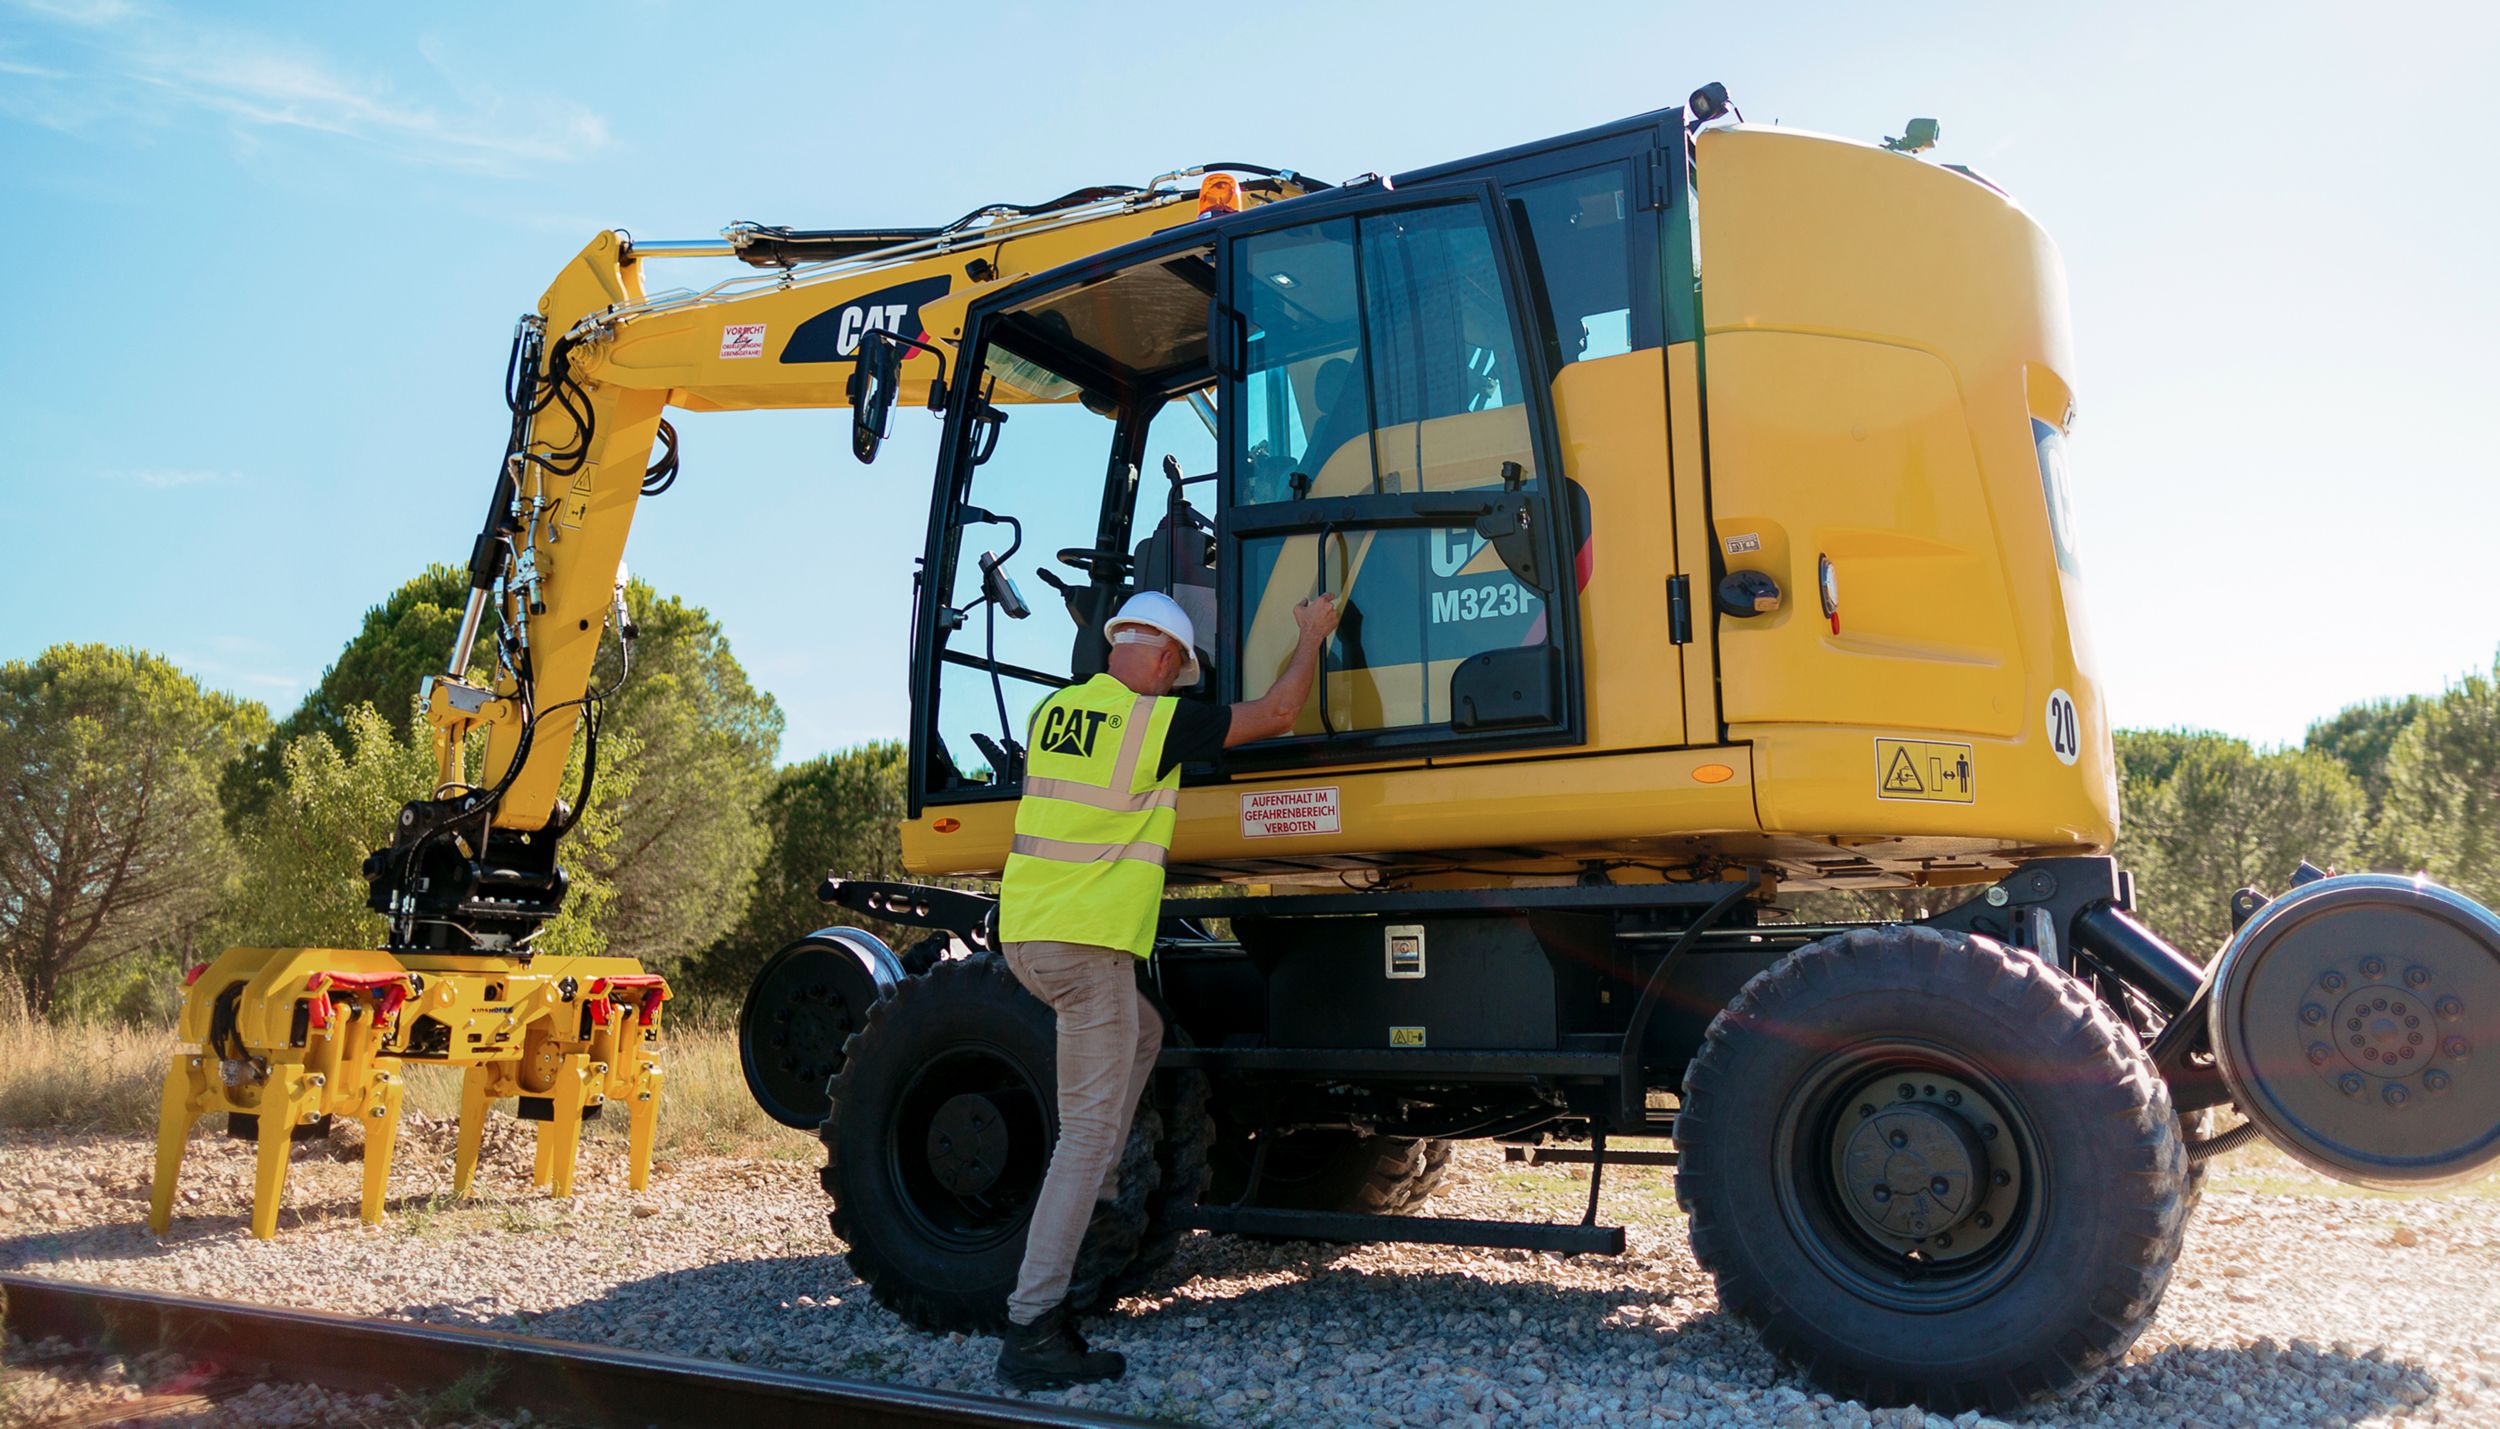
column 1343, row 394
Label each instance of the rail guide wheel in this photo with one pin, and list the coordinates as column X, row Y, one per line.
column 2356, row 1021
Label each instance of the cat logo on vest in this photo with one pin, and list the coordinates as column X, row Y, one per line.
column 1066, row 731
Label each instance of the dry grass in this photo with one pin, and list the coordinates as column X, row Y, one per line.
column 106, row 1077
column 78, row 1076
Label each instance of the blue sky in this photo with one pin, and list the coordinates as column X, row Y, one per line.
column 261, row 264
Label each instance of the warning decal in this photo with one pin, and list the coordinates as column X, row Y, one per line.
column 1272, row 812
column 1925, row 769
column 742, row 340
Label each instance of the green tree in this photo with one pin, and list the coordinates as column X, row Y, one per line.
column 2224, row 816
column 404, row 639
column 2442, row 812
column 110, row 841
column 693, row 827
column 2361, row 737
column 336, row 799
column 837, row 813
column 689, row 829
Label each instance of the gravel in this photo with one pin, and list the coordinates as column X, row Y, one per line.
column 2289, row 1305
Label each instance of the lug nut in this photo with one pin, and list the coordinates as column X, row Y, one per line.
column 2417, row 975
column 2434, row 1081
column 1882, row 1195
column 2451, row 1006
column 2312, row 1014
column 1943, row 1239
column 2395, row 1094
column 1940, row 1186
column 2331, row 981
column 2003, row 1178
column 1952, row 1098
column 1984, row 1220
column 2350, row 1083
column 1987, row 1131
column 2320, row 1054
column 1899, row 1140
column 2454, row 1047
column 1865, row 1111
column 1907, row 1091
column 2373, row 965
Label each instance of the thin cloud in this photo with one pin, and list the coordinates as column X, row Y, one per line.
column 155, row 68
column 172, row 478
column 234, row 676
column 80, row 12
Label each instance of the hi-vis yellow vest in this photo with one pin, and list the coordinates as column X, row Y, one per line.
column 1095, row 822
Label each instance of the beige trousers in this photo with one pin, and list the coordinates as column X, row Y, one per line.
column 1109, row 1038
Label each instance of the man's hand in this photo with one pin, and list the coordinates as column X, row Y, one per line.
column 1273, row 713
column 1317, row 617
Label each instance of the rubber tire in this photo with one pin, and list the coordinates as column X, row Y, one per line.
column 1339, row 1171
column 1181, row 1155
column 935, row 1287
column 2085, row 1289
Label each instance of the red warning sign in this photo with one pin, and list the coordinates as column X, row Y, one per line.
column 1275, row 812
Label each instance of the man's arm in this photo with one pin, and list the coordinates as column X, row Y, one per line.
column 1272, row 714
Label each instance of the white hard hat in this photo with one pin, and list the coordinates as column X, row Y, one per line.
column 1155, row 611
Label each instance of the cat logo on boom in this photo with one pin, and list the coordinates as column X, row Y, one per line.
column 833, row 335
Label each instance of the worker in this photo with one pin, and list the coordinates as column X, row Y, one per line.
column 1078, row 904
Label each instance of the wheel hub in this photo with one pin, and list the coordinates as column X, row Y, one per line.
column 1912, row 1160
column 2384, row 1031
column 1907, row 1170
column 967, row 1144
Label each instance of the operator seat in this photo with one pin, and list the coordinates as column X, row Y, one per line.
column 1178, row 559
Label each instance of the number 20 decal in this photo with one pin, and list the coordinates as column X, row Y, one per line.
column 2065, row 730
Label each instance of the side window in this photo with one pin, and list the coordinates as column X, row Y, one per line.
column 1447, row 405
column 1306, row 399
column 1382, row 361
column 1048, row 471
column 1578, row 230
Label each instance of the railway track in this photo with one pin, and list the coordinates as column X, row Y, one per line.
column 558, row 1383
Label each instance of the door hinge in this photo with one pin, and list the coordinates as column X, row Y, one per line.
column 1679, row 610
column 1657, row 195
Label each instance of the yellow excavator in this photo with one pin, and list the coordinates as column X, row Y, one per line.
column 281, row 1040
column 1698, row 496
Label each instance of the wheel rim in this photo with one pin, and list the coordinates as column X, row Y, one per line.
column 967, row 1146
column 1910, row 1175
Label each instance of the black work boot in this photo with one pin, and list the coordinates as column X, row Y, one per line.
column 1049, row 1354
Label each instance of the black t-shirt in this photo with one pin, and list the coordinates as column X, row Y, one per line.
column 1196, row 735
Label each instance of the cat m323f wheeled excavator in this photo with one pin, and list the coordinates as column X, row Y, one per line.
column 1697, row 496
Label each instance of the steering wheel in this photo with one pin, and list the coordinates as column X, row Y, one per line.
column 1100, row 567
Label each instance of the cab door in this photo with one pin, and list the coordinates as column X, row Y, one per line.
column 1387, row 437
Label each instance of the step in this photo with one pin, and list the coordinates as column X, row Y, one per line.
column 1355, row 1229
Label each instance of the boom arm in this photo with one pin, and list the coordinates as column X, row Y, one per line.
column 472, row 868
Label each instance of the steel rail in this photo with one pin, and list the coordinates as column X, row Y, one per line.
column 561, row 1383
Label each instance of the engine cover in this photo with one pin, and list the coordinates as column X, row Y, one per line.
column 2356, row 1021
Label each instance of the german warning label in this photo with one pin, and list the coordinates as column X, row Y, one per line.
column 1926, row 770
column 742, row 340
column 1272, row 812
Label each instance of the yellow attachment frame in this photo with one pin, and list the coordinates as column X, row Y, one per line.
column 289, row 1036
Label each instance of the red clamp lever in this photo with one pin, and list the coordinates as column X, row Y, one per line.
column 389, row 991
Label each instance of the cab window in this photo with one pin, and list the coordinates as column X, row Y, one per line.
column 1382, row 361
column 1578, row 231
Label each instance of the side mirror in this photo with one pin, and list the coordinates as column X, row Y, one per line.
column 874, row 378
